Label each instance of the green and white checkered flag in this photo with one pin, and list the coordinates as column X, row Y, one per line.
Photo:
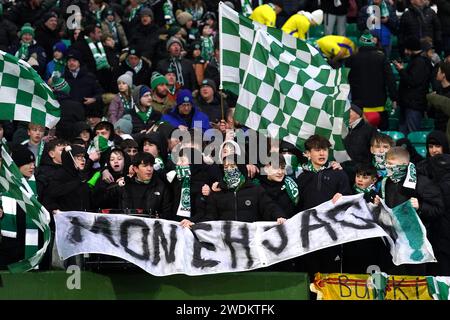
column 439, row 287
column 291, row 98
column 237, row 34
column 246, row 8
column 24, row 96
column 13, row 185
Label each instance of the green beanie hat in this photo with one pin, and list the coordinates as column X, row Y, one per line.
column 157, row 79
column 367, row 40
column 60, row 84
column 27, row 28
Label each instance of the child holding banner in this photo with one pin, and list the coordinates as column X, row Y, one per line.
column 401, row 184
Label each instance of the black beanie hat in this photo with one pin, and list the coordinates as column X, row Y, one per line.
column 357, row 109
column 22, row 155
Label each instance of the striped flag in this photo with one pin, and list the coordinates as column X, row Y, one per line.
column 14, row 186
column 291, row 98
column 24, row 96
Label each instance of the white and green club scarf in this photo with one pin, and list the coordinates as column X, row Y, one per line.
column 184, row 175
column 101, row 61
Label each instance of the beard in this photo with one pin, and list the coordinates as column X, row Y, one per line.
column 162, row 94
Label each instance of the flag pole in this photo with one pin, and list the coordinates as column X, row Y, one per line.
column 220, row 60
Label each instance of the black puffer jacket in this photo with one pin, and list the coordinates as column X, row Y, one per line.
column 319, row 187
column 415, row 83
column 424, row 166
column 47, row 39
column 154, row 197
column 357, row 142
column 71, row 112
column 370, row 78
column 249, row 204
column 69, row 190
column 277, row 192
column 419, row 23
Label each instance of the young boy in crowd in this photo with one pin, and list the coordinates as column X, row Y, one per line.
column 130, row 147
column 34, row 143
column 379, row 145
column 401, row 184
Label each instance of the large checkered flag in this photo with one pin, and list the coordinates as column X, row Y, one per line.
column 237, row 34
column 13, row 185
column 24, row 96
column 291, row 98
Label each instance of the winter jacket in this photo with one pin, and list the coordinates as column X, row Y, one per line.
column 386, row 29
column 318, row 187
column 71, row 112
column 85, row 85
column 197, row 118
column 154, row 197
column 8, row 34
column 415, row 83
column 212, row 109
column 123, row 41
column 249, row 204
column 424, row 167
column 33, row 50
column 187, row 70
column 200, row 175
column 146, row 39
column 328, row 6
column 370, row 78
column 47, row 38
column 441, row 103
column 278, row 194
column 69, row 190
column 357, row 142
column 265, row 15
column 440, row 118
column 419, row 23
column 139, row 124
column 141, row 78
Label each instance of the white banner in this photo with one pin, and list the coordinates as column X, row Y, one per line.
column 162, row 247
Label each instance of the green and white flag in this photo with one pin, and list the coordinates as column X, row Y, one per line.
column 24, row 96
column 439, row 287
column 292, row 98
column 246, row 7
column 237, row 34
column 14, row 186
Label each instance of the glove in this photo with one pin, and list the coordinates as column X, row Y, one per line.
column 33, row 62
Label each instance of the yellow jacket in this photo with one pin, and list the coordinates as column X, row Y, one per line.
column 331, row 45
column 264, row 14
column 297, row 25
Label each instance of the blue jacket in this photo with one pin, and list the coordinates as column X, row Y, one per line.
column 175, row 119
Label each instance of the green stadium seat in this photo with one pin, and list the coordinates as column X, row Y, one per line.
column 396, row 135
column 427, row 124
column 418, row 138
column 352, row 30
column 422, row 150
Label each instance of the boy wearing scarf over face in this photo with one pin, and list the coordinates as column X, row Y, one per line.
column 401, row 184
column 317, row 184
column 379, row 145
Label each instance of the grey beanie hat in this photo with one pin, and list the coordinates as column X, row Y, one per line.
column 127, row 77
column 124, row 124
column 173, row 40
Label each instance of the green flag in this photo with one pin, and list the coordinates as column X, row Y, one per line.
column 439, row 287
column 292, row 98
column 24, row 96
column 14, row 186
column 237, row 34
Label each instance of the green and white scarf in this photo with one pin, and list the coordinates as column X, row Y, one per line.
column 40, row 150
column 101, row 62
column 364, row 190
column 379, row 161
column 168, row 12
column 310, row 167
column 8, row 224
column 207, row 48
column 144, row 116
column 126, row 103
column 59, row 68
column 184, row 175
column 159, row 164
column 233, row 178
column 398, row 172
column 133, row 12
column 23, row 53
column 137, row 68
column 291, row 188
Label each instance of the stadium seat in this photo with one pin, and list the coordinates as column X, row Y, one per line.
column 422, row 150
column 418, row 138
column 393, row 124
column 352, row 30
column 396, row 135
column 427, row 124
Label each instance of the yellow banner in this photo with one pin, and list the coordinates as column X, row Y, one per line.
column 342, row 286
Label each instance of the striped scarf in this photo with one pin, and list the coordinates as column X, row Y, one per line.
column 207, row 48
column 98, row 52
column 23, row 53
column 184, row 175
column 40, row 150
column 8, row 224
